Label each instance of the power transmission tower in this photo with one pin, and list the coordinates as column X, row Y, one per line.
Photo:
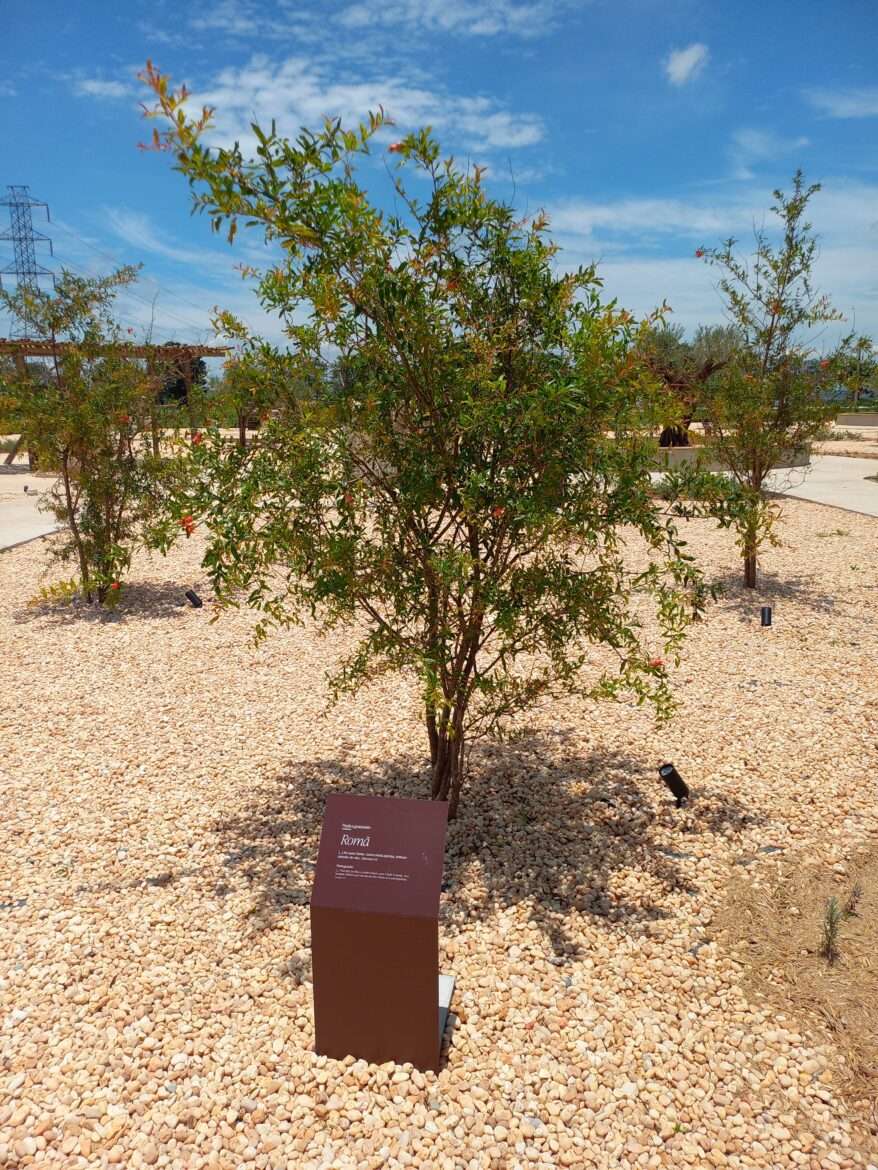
column 24, row 265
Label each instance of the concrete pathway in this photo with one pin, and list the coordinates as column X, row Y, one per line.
column 20, row 518
column 832, row 479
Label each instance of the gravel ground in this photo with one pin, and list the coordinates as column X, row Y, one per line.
column 163, row 787
column 866, row 449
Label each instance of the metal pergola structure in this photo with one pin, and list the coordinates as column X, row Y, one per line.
column 178, row 359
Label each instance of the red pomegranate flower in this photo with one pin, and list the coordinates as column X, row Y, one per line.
column 655, row 663
column 699, row 252
column 115, row 585
column 394, row 148
column 187, row 524
column 824, row 364
column 197, row 439
column 498, row 512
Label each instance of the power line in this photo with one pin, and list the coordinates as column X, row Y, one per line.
column 190, row 325
column 114, row 259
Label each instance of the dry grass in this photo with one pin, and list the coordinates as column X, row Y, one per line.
column 778, row 931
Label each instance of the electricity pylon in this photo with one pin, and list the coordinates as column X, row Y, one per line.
column 24, row 238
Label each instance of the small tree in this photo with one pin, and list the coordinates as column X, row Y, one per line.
column 260, row 380
column 857, row 367
column 460, row 493
column 85, row 420
column 771, row 399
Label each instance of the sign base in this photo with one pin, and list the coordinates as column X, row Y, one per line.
column 446, row 990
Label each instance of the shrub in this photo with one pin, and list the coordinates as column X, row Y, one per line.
column 86, row 418
column 465, row 490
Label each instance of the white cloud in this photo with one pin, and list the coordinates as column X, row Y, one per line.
column 94, row 87
column 481, row 18
column 845, row 103
column 228, row 16
column 142, row 236
column 477, row 18
column 299, row 92
column 750, row 146
column 7, row 89
column 647, row 218
column 632, row 238
column 683, row 65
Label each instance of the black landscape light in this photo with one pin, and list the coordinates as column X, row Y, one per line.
column 766, row 615
column 675, row 782
column 193, row 597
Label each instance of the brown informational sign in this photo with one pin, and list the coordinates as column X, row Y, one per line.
column 375, row 932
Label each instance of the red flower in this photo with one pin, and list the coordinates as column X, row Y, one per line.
column 656, row 663
column 115, row 585
column 130, row 330
column 124, row 418
column 699, row 252
column 824, row 364
column 394, row 148
column 349, row 499
column 197, row 439
column 187, row 524
column 498, row 512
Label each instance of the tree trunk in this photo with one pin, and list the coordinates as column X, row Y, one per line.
column 10, row 458
column 446, row 750
column 675, row 436
column 74, row 528
column 750, row 567
column 242, row 431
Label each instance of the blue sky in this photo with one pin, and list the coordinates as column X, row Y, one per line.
column 644, row 128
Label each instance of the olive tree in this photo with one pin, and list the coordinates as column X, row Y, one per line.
column 467, row 492
column 683, row 368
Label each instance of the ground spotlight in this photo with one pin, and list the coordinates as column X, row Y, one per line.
column 675, row 782
column 766, row 615
column 193, row 597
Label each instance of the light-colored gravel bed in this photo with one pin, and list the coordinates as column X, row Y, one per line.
column 162, row 790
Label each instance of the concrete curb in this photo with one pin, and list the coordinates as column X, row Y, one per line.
column 28, row 540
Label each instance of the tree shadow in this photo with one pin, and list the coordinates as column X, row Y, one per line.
column 540, row 825
column 772, row 588
column 22, row 468
column 140, row 600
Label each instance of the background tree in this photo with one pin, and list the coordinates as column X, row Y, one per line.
column 771, row 399
column 683, row 368
column 12, row 420
column 462, row 495
column 184, row 385
column 857, row 367
column 85, row 419
column 260, row 380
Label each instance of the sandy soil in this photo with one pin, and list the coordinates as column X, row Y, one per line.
column 163, row 785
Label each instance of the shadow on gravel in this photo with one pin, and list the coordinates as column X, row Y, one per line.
column 772, row 589
column 539, row 824
column 140, row 600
